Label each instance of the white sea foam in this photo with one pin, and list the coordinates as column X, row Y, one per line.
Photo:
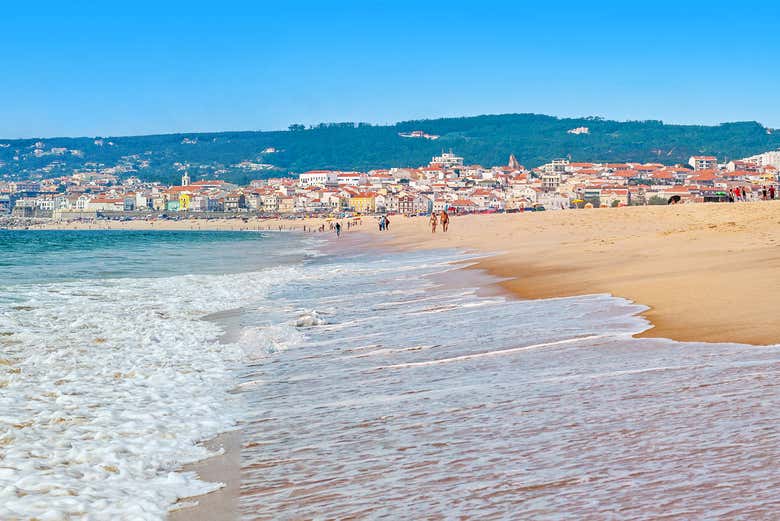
column 310, row 319
column 498, row 352
column 258, row 342
column 105, row 391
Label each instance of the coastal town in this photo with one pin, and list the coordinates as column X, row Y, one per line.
column 447, row 182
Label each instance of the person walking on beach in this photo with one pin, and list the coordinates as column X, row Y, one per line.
column 338, row 230
column 382, row 223
column 434, row 222
column 387, row 223
column 445, row 220
column 772, row 192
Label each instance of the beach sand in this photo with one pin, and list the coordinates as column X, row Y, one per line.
column 708, row 272
column 222, row 504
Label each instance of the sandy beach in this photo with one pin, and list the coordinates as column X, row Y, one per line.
column 708, row 273
column 705, row 272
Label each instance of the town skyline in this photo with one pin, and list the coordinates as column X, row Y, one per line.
column 446, row 183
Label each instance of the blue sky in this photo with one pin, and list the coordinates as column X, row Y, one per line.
column 121, row 68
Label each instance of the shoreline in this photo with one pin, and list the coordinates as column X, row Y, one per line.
column 236, row 224
column 706, row 273
column 221, row 504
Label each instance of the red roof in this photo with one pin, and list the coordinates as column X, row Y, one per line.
column 737, row 173
column 462, row 202
column 703, row 175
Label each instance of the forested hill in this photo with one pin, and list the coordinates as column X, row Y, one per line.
column 486, row 140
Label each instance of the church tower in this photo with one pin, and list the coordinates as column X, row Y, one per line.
column 513, row 164
column 185, row 179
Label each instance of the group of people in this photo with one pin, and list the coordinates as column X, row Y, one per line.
column 384, row 223
column 437, row 218
column 740, row 193
column 442, row 218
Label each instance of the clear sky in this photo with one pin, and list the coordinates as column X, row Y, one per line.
column 120, row 68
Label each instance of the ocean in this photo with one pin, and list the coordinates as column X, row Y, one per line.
column 367, row 384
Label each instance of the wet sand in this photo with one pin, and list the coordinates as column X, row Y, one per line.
column 222, row 504
column 708, row 272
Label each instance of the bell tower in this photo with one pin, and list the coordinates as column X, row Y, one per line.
column 185, row 179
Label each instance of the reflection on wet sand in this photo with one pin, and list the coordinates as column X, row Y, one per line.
column 500, row 409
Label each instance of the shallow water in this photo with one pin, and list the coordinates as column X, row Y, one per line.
column 364, row 389
column 108, row 375
column 419, row 402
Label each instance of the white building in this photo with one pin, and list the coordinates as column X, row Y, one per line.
column 557, row 166
column 550, row 182
column 766, row 159
column 703, row 162
column 526, row 193
column 318, row 178
column 447, row 160
column 352, row 178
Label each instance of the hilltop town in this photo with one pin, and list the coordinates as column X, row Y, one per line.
column 445, row 183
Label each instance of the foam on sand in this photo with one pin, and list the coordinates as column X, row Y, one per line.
column 108, row 387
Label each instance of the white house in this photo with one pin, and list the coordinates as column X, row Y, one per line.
column 703, row 162
column 318, row 178
column 352, row 178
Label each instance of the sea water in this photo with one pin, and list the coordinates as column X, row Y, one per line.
column 109, row 375
column 367, row 384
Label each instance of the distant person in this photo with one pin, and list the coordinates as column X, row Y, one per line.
column 772, row 192
column 737, row 194
column 382, row 223
column 338, row 230
column 434, row 222
column 387, row 223
column 445, row 220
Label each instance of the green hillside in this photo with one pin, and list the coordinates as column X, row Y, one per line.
column 486, row 140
